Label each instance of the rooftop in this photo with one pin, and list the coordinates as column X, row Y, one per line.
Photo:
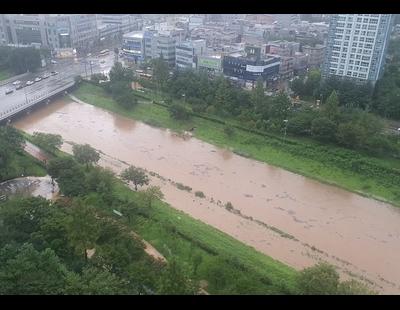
column 134, row 35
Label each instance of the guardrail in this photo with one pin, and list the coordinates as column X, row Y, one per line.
column 13, row 78
column 32, row 101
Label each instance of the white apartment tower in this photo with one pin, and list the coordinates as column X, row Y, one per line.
column 357, row 45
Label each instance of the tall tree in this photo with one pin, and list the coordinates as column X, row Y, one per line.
column 136, row 175
column 83, row 228
column 152, row 193
column 331, row 107
column 257, row 95
column 85, row 154
column 31, row 272
column 160, row 72
column 49, row 142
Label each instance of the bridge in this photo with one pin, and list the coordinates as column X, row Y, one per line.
column 30, row 96
column 6, row 115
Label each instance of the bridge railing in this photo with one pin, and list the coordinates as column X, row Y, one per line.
column 32, row 101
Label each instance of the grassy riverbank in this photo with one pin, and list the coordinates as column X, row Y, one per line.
column 228, row 265
column 301, row 156
column 22, row 164
column 5, row 74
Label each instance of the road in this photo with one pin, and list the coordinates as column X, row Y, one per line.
column 67, row 68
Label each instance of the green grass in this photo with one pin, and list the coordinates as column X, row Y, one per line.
column 5, row 74
column 195, row 237
column 254, row 146
column 23, row 164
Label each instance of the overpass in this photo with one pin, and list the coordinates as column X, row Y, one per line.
column 25, row 99
column 7, row 114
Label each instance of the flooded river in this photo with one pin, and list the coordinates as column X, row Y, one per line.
column 291, row 218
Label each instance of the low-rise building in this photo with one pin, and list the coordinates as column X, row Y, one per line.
column 210, row 63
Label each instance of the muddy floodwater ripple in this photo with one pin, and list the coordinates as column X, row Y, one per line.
column 289, row 217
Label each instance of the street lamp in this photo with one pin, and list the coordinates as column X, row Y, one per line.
column 285, row 121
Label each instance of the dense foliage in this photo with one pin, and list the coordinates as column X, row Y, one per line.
column 323, row 279
column 21, row 60
column 119, row 86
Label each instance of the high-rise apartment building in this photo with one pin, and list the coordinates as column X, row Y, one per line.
column 356, row 46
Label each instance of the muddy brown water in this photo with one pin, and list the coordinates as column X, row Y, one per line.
column 289, row 217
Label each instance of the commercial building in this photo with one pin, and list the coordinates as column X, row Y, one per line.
column 133, row 46
column 123, row 22
column 300, row 64
column 29, row 29
column 356, row 46
column 78, row 31
column 286, row 68
column 210, row 63
column 283, row 48
column 315, row 54
column 251, row 66
column 187, row 53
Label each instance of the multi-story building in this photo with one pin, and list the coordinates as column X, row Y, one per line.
column 249, row 67
column 77, row 31
column 283, row 48
column 286, row 68
column 210, row 63
column 124, row 22
column 166, row 49
column 29, row 29
column 133, row 46
column 140, row 46
column 286, row 20
column 356, row 46
column 315, row 55
column 187, row 53
column 300, row 64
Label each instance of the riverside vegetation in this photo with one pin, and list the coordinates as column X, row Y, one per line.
column 44, row 244
column 340, row 145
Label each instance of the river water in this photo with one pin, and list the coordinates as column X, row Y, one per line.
column 291, row 218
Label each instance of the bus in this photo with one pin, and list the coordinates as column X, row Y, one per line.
column 104, row 52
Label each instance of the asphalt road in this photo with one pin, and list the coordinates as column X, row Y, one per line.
column 67, row 69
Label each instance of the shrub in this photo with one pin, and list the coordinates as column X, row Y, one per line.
column 199, row 194
column 179, row 112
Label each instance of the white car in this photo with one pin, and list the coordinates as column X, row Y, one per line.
column 53, row 62
column 38, row 79
column 29, row 83
column 16, row 83
column 9, row 91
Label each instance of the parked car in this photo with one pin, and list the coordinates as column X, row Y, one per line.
column 38, row 79
column 17, row 82
column 46, row 76
column 53, row 62
column 19, row 86
column 9, row 91
column 29, row 83
column 54, row 72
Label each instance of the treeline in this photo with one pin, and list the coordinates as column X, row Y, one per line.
column 383, row 99
column 342, row 117
column 14, row 162
column 119, row 85
column 21, row 60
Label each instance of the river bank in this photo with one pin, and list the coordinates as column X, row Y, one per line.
column 283, row 215
column 309, row 159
